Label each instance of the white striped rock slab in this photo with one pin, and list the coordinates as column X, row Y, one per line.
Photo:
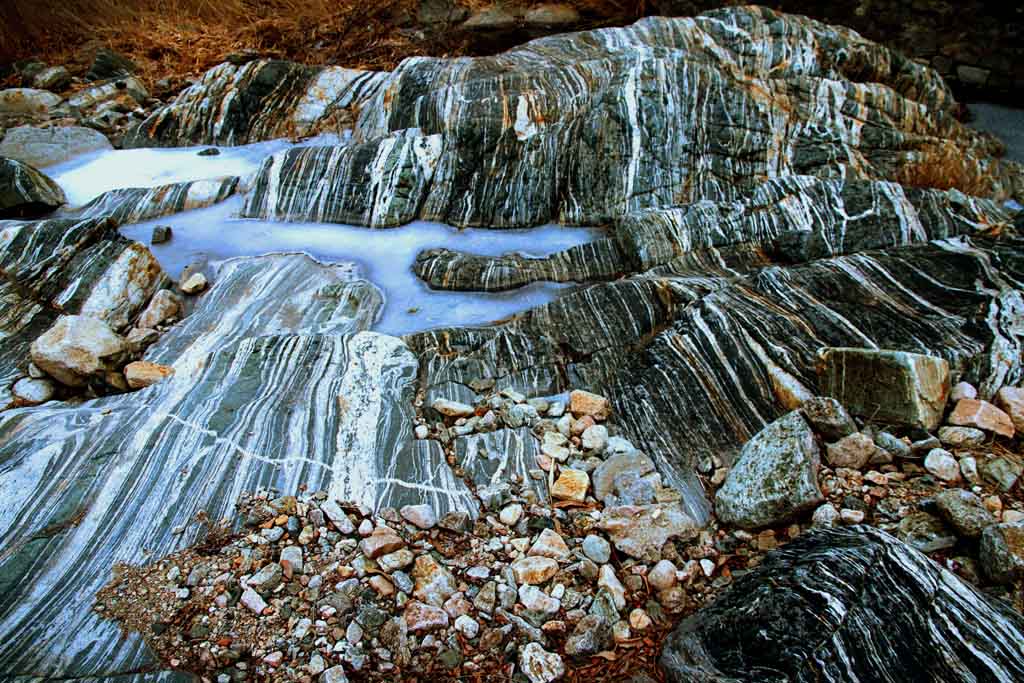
column 490, row 461
column 588, row 127
column 800, row 218
column 235, row 104
column 454, row 270
column 848, row 604
column 697, row 364
column 66, row 267
column 137, row 204
column 379, row 184
column 275, row 384
column 26, row 192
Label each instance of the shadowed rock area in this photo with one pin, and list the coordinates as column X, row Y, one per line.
column 845, row 605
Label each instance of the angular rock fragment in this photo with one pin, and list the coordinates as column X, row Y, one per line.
column 828, row 418
column 79, row 348
column 1011, row 401
column 640, row 531
column 971, row 412
column 141, row 374
column 1002, row 552
column 890, row 386
column 774, row 478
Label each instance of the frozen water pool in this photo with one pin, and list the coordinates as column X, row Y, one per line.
column 385, row 257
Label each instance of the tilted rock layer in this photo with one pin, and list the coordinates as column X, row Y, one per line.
column 848, row 604
column 584, row 128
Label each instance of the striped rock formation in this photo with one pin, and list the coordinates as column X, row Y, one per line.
column 235, row 104
column 848, row 604
column 276, row 383
column 66, row 267
column 586, row 128
column 138, row 204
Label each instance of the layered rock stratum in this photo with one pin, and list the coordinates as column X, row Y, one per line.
column 768, row 185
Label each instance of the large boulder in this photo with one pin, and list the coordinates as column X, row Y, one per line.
column 25, row 192
column 887, row 386
column 848, row 604
column 41, row 147
column 79, row 348
column 775, row 477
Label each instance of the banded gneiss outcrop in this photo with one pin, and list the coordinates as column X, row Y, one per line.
column 770, row 186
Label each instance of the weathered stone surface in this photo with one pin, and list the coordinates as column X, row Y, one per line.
column 848, row 604
column 31, row 391
column 27, row 101
column 1002, row 552
column 981, row 415
column 380, row 184
column 25, row 192
column 539, row 665
column 79, row 348
column 828, row 418
column 259, row 100
column 640, row 531
column 421, row 617
column 925, row 532
column 775, row 477
column 534, row 570
column 163, row 307
column 853, row 451
column 961, row 437
column 907, row 388
column 571, row 485
column 512, row 119
column 282, row 335
column 141, row 374
column 41, row 147
column 1011, row 401
column 453, row 270
column 964, row 511
column 138, row 204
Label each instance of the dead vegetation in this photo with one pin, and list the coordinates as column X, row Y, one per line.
column 186, row 37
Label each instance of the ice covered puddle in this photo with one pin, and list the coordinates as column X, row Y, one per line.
column 385, row 257
column 86, row 177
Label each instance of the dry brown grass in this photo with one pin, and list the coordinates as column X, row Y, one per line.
column 185, row 37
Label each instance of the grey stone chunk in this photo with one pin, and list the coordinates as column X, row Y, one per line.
column 1001, row 552
column 889, row 386
column 964, row 511
column 40, row 147
column 925, row 532
column 26, row 192
column 774, row 478
column 828, row 418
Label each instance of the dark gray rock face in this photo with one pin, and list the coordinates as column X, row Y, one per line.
column 25, row 192
column 848, row 604
column 379, row 184
column 702, row 352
